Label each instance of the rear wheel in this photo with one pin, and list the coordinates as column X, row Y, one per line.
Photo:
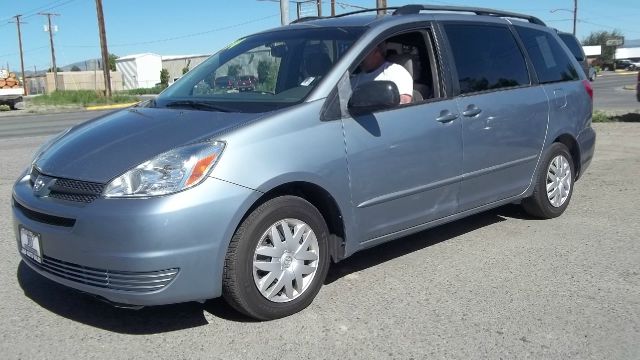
column 277, row 259
column 554, row 184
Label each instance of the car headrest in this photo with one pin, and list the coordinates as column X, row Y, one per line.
column 404, row 60
column 317, row 64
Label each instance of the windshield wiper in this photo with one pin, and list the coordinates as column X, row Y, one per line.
column 198, row 105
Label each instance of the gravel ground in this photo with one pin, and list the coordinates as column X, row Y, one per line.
column 495, row 285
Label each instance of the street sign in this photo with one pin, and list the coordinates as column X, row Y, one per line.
column 619, row 41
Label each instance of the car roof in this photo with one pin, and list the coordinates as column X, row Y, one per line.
column 369, row 17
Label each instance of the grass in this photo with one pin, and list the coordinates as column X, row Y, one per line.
column 603, row 117
column 81, row 97
column 144, row 91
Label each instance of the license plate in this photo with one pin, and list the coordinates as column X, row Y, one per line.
column 31, row 242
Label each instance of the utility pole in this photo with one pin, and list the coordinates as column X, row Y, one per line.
column 319, row 3
column 333, row 7
column 381, row 4
column 298, row 9
column 284, row 12
column 105, row 52
column 575, row 15
column 24, row 79
column 53, row 51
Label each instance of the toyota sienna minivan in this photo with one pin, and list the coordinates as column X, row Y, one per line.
column 207, row 191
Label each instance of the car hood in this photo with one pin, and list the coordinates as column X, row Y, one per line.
column 101, row 149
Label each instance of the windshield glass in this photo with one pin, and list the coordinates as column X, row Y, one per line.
column 262, row 72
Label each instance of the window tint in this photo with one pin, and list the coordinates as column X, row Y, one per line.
column 550, row 60
column 486, row 57
column 573, row 45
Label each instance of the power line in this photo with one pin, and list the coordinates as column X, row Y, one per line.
column 181, row 36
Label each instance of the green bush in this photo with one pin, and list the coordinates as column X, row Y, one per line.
column 4, row 108
column 81, row 97
column 601, row 116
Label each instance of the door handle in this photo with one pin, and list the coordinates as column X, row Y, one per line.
column 446, row 116
column 471, row 111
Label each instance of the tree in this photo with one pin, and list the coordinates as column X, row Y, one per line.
column 112, row 61
column 75, row 68
column 600, row 38
column 186, row 68
column 57, row 69
column 164, row 77
column 267, row 72
column 234, row 70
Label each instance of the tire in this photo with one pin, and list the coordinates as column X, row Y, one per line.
column 539, row 203
column 254, row 260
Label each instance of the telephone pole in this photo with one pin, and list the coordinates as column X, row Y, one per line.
column 24, row 82
column 53, row 51
column 105, row 52
column 319, row 3
column 284, row 12
column 333, row 7
column 575, row 15
column 381, row 4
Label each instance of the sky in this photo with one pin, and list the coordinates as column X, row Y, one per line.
column 169, row 27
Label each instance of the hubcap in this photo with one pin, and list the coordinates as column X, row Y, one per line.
column 558, row 181
column 285, row 260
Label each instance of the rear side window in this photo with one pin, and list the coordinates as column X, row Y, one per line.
column 550, row 60
column 486, row 57
column 573, row 45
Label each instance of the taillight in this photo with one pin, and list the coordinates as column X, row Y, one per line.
column 588, row 88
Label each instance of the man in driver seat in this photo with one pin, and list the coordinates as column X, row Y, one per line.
column 375, row 67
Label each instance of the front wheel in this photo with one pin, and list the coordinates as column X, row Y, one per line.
column 553, row 185
column 277, row 260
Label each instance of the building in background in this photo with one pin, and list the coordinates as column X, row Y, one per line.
column 140, row 70
column 630, row 50
column 176, row 63
column 592, row 52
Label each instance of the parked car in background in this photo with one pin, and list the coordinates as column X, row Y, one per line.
column 247, row 83
column 638, row 87
column 226, row 82
column 626, row 64
column 251, row 196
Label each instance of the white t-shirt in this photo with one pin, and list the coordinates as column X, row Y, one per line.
column 391, row 72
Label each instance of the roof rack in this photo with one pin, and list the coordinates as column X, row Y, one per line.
column 310, row 18
column 415, row 9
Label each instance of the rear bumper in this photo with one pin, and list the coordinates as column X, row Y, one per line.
column 587, row 144
column 136, row 251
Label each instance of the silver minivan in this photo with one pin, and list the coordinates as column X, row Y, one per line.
column 209, row 191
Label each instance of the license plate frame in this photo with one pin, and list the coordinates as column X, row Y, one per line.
column 31, row 244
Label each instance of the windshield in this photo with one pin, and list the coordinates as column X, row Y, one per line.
column 262, row 72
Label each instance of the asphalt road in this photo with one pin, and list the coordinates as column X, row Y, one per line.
column 495, row 285
column 610, row 95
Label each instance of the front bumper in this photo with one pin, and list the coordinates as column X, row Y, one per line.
column 136, row 251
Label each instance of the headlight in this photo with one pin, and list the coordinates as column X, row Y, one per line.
column 167, row 173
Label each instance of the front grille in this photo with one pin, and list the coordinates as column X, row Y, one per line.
column 107, row 279
column 44, row 218
column 70, row 190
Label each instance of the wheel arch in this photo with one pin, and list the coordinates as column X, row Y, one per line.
column 319, row 197
column 574, row 149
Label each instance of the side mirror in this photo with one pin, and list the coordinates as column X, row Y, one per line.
column 374, row 96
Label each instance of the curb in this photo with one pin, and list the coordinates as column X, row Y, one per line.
column 629, row 87
column 109, row 107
